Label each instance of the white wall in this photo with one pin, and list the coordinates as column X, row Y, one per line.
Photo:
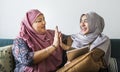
column 64, row 13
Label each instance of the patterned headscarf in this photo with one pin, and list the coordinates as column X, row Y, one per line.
column 36, row 41
column 94, row 38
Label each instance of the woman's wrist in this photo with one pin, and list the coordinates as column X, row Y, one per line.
column 50, row 49
column 65, row 47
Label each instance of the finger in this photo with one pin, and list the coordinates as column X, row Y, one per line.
column 56, row 28
column 60, row 40
column 60, row 34
column 56, row 31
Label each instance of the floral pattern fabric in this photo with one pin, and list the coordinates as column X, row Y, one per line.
column 22, row 54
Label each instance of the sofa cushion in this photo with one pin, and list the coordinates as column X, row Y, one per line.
column 115, row 48
column 118, row 63
column 6, row 59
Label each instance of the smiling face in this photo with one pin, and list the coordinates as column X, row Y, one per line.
column 84, row 25
column 39, row 24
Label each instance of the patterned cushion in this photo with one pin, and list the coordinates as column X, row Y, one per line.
column 6, row 59
column 113, row 65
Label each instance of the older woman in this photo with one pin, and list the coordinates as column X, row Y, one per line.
column 36, row 49
column 91, row 25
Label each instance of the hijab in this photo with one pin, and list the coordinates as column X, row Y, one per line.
column 94, row 38
column 36, row 41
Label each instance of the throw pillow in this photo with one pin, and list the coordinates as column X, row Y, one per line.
column 113, row 65
column 6, row 59
column 88, row 62
column 76, row 52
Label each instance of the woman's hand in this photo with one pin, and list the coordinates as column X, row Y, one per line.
column 64, row 46
column 61, row 43
column 56, row 37
column 67, row 63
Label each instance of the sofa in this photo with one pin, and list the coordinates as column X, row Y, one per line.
column 7, row 62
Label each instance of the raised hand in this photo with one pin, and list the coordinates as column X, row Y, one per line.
column 56, row 37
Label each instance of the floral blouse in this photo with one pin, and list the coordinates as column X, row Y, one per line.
column 22, row 54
